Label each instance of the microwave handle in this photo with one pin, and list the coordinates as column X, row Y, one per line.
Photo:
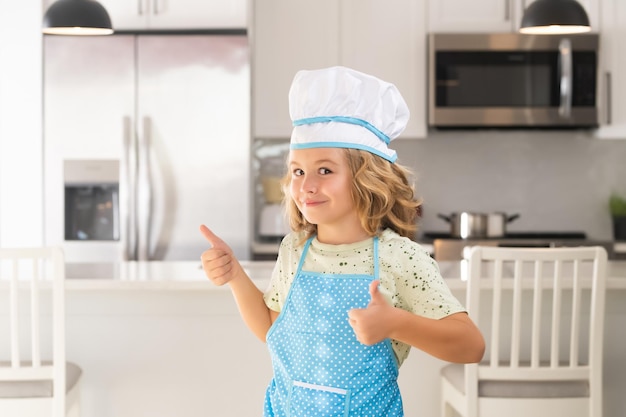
column 565, row 60
column 607, row 76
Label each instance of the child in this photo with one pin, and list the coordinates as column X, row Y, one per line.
column 350, row 293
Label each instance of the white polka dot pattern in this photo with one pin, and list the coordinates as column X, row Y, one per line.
column 320, row 368
column 409, row 277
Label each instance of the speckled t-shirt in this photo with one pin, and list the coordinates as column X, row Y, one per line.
column 409, row 277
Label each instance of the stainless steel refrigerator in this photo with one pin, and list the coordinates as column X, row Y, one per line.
column 168, row 116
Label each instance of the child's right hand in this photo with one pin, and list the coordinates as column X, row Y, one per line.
column 218, row 262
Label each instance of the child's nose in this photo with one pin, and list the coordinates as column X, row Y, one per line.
column 309, row 184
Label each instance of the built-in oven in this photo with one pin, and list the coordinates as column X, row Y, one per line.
column 512, row 80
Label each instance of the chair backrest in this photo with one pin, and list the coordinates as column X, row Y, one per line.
column 545, row 309
column 25, row 272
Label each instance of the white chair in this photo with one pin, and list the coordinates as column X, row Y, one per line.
column 543, row 333
column 34, row 313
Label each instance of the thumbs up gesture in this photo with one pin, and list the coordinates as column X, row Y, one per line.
column 218, row 262
column 372, row 324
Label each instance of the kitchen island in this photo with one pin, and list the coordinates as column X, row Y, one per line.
column 158, row 339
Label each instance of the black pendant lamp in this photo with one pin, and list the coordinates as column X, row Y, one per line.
column 77, row 17
column 555, row 17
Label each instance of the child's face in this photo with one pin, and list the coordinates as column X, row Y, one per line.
column 320, row 186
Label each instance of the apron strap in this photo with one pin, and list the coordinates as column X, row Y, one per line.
column 304, row 251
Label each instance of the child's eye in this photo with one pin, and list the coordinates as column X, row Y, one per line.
column 297, row 172
column 324, row 171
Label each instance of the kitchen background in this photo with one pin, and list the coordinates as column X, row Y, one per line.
column 125, row 333
column 556, row 180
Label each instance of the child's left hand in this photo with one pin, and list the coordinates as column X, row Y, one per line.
column 372, row 324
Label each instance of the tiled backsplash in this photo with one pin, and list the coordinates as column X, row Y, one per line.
column 557, row 180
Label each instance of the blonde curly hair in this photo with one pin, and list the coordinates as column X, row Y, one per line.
column 383, row 196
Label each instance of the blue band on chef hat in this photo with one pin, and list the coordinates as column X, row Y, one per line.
column 312, row 145
column 343, row 119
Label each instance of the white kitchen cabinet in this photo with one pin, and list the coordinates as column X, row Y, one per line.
column 386, row 38
column 488, row 15
column 470, row 16
column 612, row 75
column 176, row 14
column 288, row 35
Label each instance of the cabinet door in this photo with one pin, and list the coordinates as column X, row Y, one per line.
column 127, row 14
column 176, row 14
column 612, row 74
column 288, row 35
column 471, row 16
column 194, row 14
column 387, row 38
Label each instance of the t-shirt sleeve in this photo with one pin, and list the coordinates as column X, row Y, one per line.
column 419, row 286
column 272, row 293
column 283, row 273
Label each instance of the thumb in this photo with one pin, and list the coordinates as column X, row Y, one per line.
column 375, row 294
column 212, row 238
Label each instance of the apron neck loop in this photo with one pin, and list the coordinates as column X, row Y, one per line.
column 308, row 244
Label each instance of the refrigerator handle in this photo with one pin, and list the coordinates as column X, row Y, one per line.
column 127, row 199
column 144, row 192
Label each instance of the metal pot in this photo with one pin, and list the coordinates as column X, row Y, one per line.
column 466, row 225
column 496, row 223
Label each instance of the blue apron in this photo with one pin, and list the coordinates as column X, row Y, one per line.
column 320, row 368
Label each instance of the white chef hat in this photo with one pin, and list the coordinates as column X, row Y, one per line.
column 339, row 107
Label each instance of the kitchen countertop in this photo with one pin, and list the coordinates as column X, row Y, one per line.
column 157, row 275
column 144, row 314
column 189, row 275
column 271, row 248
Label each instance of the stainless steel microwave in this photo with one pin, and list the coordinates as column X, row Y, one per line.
column 512, row 80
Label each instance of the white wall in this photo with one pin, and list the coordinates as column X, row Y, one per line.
column 21, row 141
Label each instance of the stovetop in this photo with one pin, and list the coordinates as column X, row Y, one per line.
column 533, row 235
column 448, row 248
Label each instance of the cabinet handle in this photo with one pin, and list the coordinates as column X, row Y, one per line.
column 607, row 76
column 155, row 6
column 507, row 10
column 140, row 7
